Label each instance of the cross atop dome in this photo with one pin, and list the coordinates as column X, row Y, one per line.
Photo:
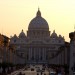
column 38, row 13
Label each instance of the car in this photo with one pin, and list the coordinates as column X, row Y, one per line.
column 59, row 74
column 32, row 69
column 52, row 73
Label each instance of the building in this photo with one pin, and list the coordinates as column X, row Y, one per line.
column 72, row 53
column 39, row 46
column 1, row 47
column 4, row 49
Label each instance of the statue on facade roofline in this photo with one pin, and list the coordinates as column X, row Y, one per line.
column 72, row 36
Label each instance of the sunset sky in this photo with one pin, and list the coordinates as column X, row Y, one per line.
column 16, row 15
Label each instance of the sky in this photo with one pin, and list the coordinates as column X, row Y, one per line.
column 16, row 15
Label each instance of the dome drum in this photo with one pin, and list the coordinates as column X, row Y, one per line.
column 38, row 34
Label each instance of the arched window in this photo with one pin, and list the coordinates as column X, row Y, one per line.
column 14, row 40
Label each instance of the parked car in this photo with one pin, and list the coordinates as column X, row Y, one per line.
column 52, row 73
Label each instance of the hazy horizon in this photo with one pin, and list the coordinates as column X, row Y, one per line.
column 16, row 15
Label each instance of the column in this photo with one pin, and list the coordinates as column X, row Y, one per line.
column 45, row 53
column 43, row 56
column 34, row 54
column 39, row 54
column 29, row 54
column 71, row 58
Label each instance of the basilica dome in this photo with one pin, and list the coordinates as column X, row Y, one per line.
column 53, row 35
column 38, row 22
column 22, row 34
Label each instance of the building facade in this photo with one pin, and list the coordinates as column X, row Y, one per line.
column 4, row 49
column 72, row 53
column 39, row 46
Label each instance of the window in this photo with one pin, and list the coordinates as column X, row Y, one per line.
column 22, row 54
column 59, row 41
column 14, row 40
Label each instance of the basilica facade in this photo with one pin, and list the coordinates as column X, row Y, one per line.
column 39, row 46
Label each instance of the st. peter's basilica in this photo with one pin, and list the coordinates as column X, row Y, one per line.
column 39, row 46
